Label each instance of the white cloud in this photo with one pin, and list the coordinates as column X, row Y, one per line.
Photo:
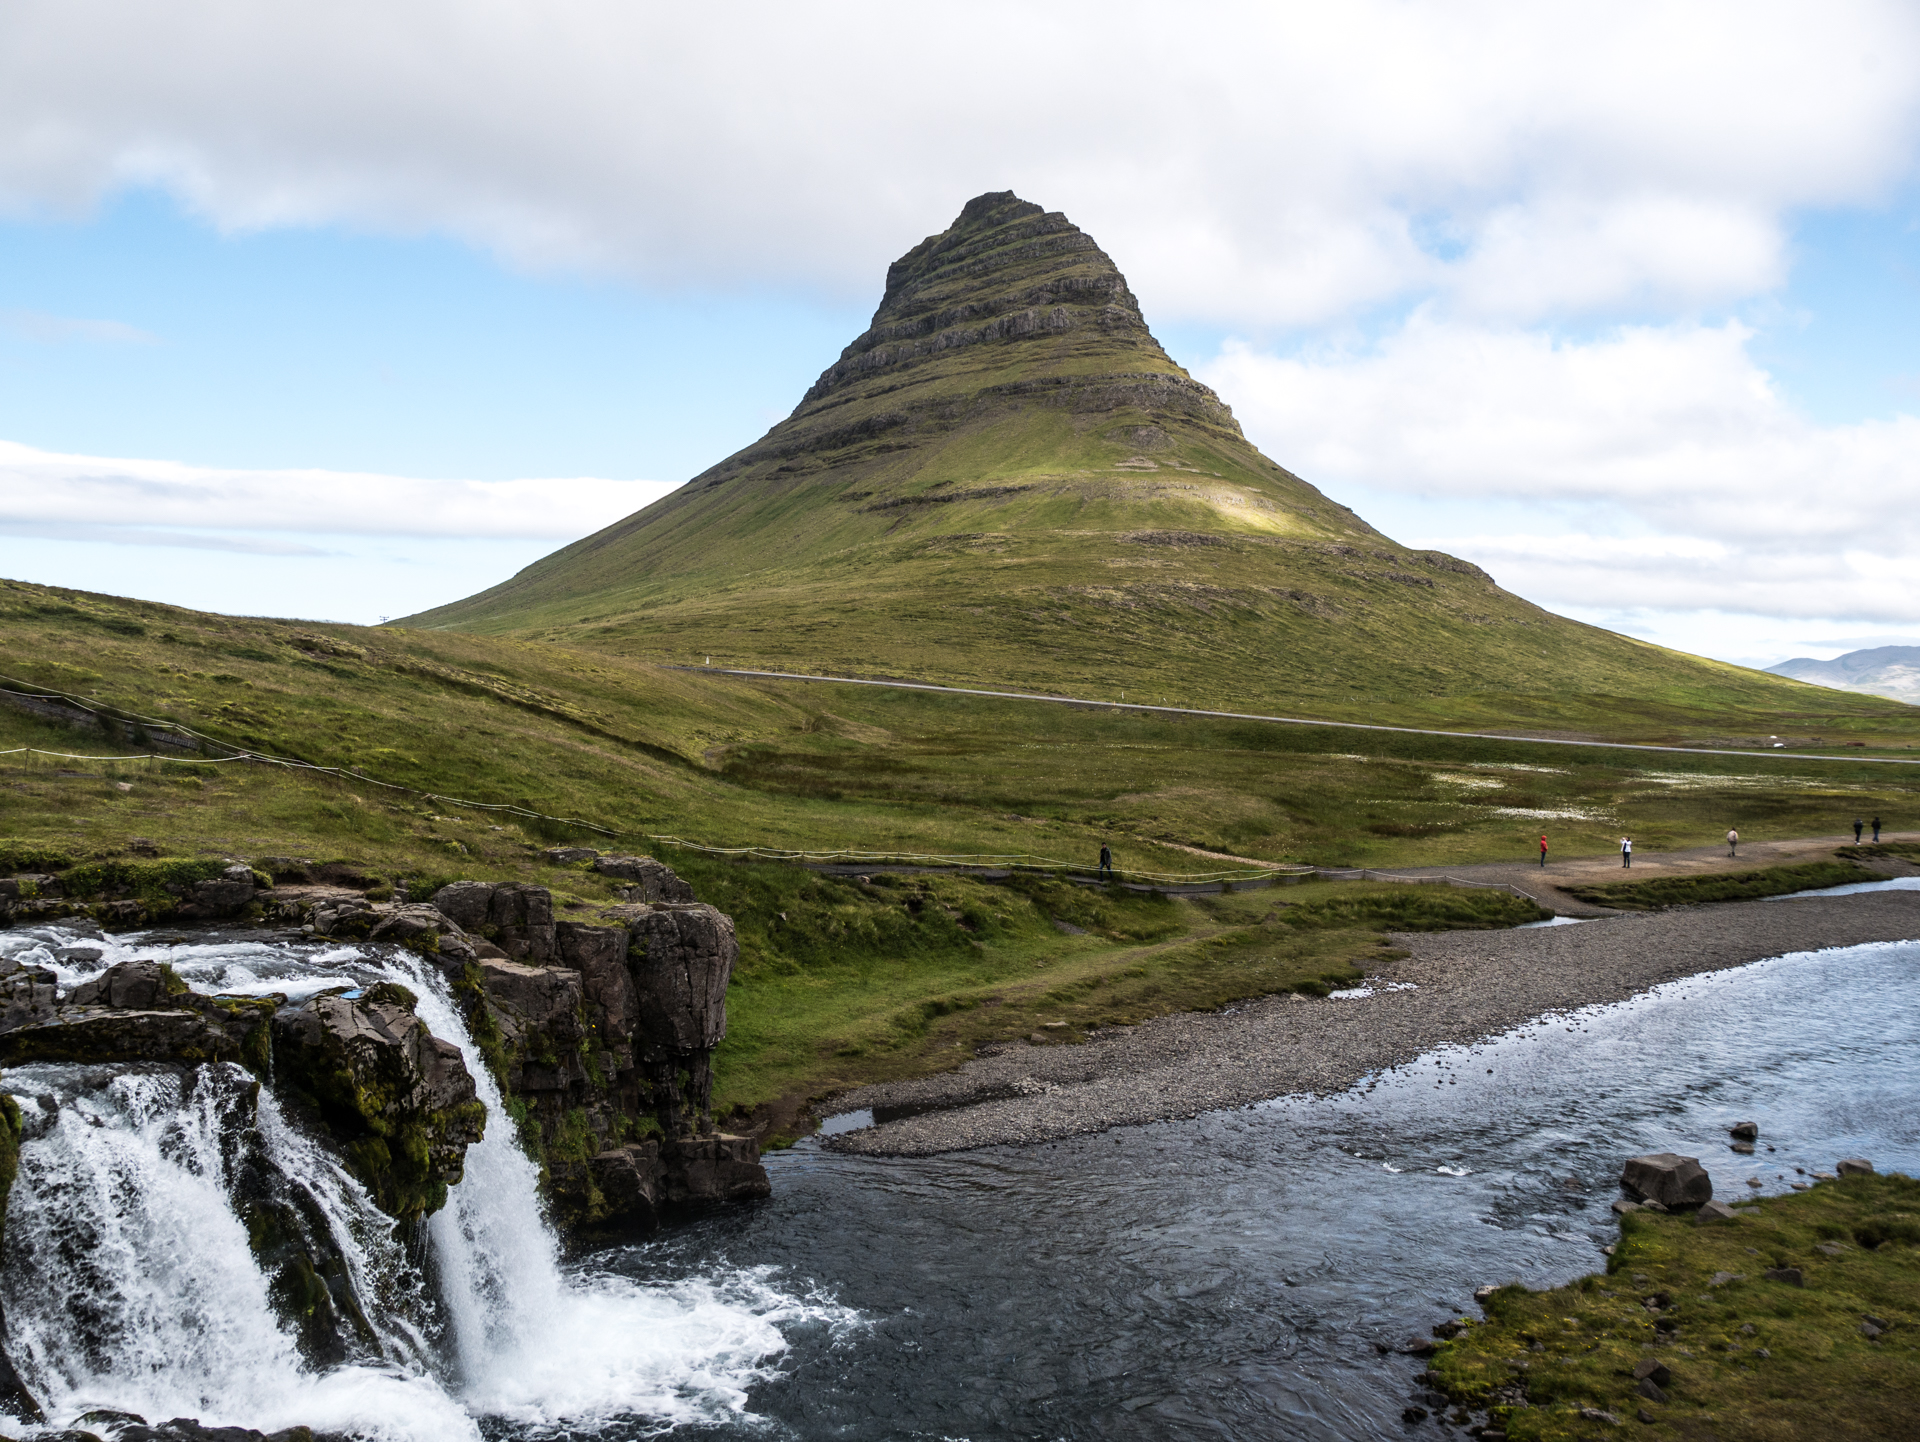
column 1683, row 480
column 1248, row 162
column 92, row 497
column 38, row 326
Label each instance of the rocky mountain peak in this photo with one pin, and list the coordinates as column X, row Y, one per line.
column 1004, row 271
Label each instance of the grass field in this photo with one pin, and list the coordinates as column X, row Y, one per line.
column 1751, row 1359
column 854, row 981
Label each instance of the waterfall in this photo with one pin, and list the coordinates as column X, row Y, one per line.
column 129, row 1281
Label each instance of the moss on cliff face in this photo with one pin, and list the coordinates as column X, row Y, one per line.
column 9, row 1156
column 399, row 1102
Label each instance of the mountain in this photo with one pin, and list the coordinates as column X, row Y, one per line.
column 1882, row 671
column 1007, row 481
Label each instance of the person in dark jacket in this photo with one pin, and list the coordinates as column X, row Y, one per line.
column 1856, row 830
column 1876, row 831
column 1106, row 864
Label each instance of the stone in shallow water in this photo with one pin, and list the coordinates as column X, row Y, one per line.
column 1667, row 1178
column 1854, row 1167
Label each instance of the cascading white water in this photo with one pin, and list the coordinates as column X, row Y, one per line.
column 537, row 1346
column 129, row 1282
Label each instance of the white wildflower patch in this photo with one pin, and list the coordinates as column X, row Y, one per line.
column 1694, row 781
column 1517, row 766
column 1564, row 814
column 1477, row 783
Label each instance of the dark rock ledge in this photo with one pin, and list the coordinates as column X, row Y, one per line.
column 601, row 1035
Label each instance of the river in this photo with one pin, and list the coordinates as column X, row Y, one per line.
column 1237, row 1275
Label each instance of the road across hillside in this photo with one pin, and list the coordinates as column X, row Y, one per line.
column 1284, row 720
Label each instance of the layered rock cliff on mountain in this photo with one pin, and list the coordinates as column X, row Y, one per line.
column 1007, row 480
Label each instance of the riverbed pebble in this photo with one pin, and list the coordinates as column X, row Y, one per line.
column 1470, row 985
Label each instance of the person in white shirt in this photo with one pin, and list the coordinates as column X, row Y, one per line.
column 1626, row 851
column 1733, row 842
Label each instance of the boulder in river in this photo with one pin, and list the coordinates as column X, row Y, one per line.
column 1854, row 1167
column 1744, row 1131
column 1673, row 1181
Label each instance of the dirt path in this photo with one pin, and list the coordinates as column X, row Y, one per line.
column 1545, row 883
column 1467, row 985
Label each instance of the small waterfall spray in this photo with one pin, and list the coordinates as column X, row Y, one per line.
column 130, row 1283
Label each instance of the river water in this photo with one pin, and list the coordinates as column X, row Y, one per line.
column 1232, row 1276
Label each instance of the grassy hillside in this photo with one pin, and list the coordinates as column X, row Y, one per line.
column 841, row 980
column 641, row 749
column 1007, row 480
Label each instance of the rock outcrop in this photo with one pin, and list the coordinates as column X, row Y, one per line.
column 651, row 881
column 517, row 919
column 604, row 1033
column 600, row 1033
column 399, row 1099
column 1671, row 1180
column 138, row 1011
column 125, row 895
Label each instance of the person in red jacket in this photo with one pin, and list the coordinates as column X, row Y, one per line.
column 1543, row 851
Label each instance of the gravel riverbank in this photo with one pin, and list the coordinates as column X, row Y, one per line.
column 1467, row 985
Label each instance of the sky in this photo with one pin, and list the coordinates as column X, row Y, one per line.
column 346, row 311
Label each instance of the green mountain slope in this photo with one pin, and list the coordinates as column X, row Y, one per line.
column 1006, row 480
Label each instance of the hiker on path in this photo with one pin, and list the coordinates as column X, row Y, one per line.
column 1876, row 831
column 1733, row 842
column 1856, row 831
column 1543, row 851
column 1106, row 863
column 1626, row 851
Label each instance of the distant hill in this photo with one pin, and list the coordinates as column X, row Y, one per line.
column 1882, row 671
column 1007, row 481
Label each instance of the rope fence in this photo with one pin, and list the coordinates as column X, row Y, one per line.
column 1362, row 873
column 1014, row 860
column 1009, row 860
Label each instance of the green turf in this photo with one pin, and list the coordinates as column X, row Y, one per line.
column 1751, row 1360
column 853, row 982
column 1662, row 891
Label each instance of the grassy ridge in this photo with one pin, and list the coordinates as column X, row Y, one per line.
column 1726, row 886
column 1751, row 1359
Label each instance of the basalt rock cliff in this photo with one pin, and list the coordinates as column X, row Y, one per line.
column 600, row 1033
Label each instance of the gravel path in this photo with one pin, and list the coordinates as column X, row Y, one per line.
column 1468, row 985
